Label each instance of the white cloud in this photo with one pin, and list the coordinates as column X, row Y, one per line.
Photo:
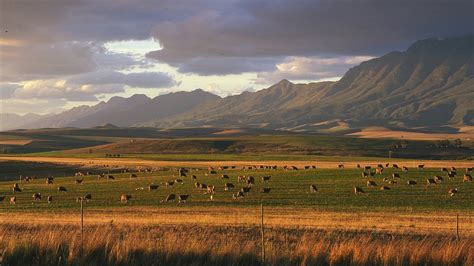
column 310, row 68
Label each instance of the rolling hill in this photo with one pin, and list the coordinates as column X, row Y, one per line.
column 429, row 85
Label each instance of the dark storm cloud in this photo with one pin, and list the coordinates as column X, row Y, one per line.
column 306, row 28
column 222, row 37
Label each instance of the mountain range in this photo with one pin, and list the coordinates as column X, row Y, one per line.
column 429, row 84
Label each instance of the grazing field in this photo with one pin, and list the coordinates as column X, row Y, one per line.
column 331, row 226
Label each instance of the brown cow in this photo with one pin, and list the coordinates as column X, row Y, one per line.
column 467, row 178
column 124, row 198
column 13, row 200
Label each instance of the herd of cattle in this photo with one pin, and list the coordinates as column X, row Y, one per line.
column 248, row 181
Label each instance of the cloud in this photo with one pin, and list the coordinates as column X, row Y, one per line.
column 137, row 80
column 43, row 61
column 59, row 89
column 306, row 28
column 310, row 68
column 208, row 66
column 38, row 106
column 7, row 90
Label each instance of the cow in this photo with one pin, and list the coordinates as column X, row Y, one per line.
column 16, row 188
column 265, row 190
column 313, row 189
column 365, row 174
column 169, row 183
column 358, row 190
column 379, row 171
column 384, row 188
column 396, row 175
column 411, row 182
column 78, row 181
column 225, row 176
column 49, row 180
column 152, row 187
column 124, row 198
column 110, row 177
column 250, row 181
column 170, row 197
column 211, row 189
column 245, row 189
column 50, row 199
column 87, row 197
column 241, row 178
column 13, row 200
column 37, row 196
column 340, row 166
column 438, row 179
column 395, row 166
column 194, row 177
column 62, row 189
column 228, row 186
column 467, row 178
column 133, row 176
column 238, row 195
column 421, row 166
column 405, row 168
column 183, row 198
column 452, row 191
column 266, row 178
column 371, row 183
column 430, row 181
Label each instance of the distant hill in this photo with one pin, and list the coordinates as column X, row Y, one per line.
column 126, row 112
column 14, row 121
column 431, row 84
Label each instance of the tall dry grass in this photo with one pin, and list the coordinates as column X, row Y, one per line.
column 112, row 244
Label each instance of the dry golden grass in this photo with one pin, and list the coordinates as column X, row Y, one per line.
column 281, row 217
column 19, row 142
column 112, row 244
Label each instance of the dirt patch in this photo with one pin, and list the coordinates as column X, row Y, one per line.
column 381, row 132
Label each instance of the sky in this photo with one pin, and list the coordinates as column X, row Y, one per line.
column 57, row 54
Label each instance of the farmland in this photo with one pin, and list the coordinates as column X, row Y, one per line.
column 331, row 226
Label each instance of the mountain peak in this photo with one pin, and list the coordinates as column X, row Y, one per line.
column 284, row 82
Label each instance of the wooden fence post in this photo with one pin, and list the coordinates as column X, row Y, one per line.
column 262, row 231
column 82, row 227
column 457, row 226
